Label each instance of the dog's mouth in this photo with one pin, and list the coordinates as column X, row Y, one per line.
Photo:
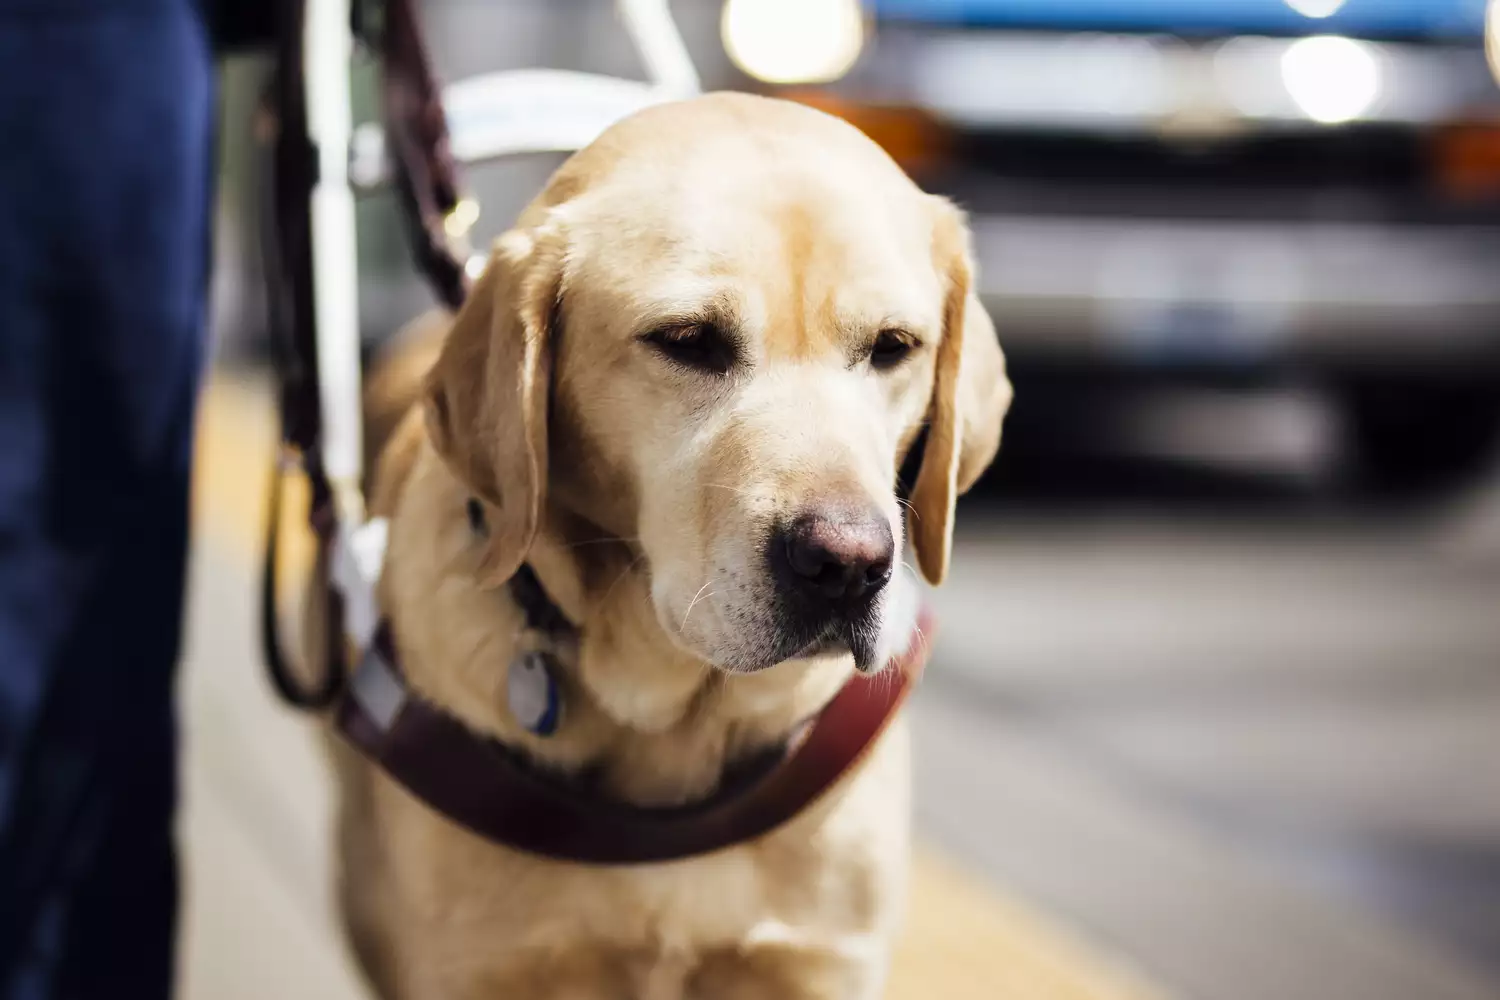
column 786, row 632
column 857, row 637
column 790, row 642
column 822, row 647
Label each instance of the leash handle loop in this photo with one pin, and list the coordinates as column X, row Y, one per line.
column 325, row 692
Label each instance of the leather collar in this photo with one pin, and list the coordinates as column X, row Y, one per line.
column 491, row 790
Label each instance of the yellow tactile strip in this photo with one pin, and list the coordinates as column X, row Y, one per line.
column 964, row 940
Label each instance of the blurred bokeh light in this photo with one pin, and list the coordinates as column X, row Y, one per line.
column 1332, row 79
column 793, row 41
column 1316, row 8
column 1492, row 38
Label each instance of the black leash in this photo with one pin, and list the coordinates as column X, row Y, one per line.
column 426, row 180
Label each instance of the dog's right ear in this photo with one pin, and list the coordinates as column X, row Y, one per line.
column 486, row 398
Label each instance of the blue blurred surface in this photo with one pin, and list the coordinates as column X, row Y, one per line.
column 1437, row 18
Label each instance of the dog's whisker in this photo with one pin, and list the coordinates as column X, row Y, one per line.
column 692, row 604
column 623, row 574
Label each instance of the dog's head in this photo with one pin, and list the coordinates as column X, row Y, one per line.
column 716, row 335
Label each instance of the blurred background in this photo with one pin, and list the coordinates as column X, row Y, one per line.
column 1216, row 705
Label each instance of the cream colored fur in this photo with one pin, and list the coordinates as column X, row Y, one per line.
column 642, row 495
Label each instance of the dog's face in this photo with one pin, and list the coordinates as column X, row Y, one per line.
column 716, row 335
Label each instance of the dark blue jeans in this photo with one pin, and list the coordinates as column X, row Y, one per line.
column 106, row 111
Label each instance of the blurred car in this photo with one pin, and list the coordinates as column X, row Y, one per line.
column 1173, row 196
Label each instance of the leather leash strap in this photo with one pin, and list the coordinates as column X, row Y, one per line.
column 416, row 131
column 426, row 181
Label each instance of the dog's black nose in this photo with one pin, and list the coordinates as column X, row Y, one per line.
column 834, row 561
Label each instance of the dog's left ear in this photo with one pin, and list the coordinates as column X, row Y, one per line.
column 970, row 395
column 487, row 395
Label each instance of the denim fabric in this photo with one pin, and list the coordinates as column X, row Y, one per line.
column 106, row 111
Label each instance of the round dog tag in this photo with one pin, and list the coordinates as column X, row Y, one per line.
column 535, row 699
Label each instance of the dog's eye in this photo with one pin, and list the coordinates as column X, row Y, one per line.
column 890, row 349
column 701, row 346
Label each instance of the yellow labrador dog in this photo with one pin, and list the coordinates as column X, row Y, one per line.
column 680, row 392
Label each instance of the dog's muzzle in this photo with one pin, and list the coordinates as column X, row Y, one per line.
column 830, row 566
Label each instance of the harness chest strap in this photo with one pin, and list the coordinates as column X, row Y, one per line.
column 482, row 785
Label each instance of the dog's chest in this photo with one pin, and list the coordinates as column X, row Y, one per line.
column 809, row 884
column 830, row 884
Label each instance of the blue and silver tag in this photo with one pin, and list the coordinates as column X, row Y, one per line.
column 533, row 693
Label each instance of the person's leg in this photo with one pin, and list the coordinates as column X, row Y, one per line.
column 104, row 209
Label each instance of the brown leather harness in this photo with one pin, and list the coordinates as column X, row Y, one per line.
column 472, row 779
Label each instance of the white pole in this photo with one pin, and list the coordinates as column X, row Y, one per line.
column 668, row 64
column 328, row 45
